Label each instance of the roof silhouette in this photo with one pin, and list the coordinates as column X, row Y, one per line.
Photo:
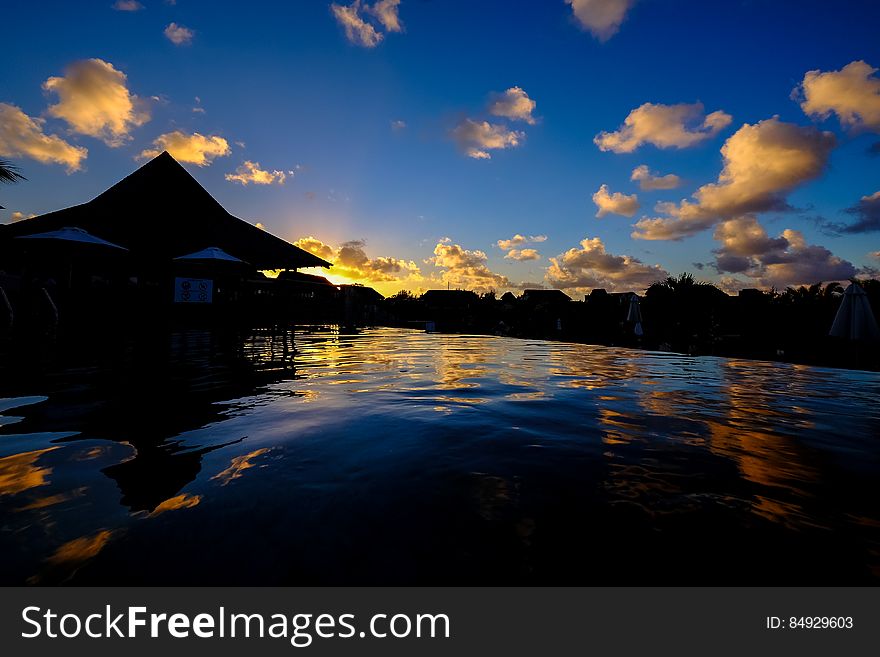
column 161, row 211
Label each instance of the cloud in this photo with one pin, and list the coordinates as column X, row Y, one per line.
column 852, row 93
column 867, row 212
column 477, row 138
column 94, row 100
column 178, row 34
column 664, row 126
column 786, row 260
column 127, row 5
column 195, row 148
column 513, row 104
column 466, row 269
column 521, row 255
column 19, row 216
column 602, row 18
column 250, row 172
column 518, row 240
column 398, row 125
column 762, row 162
column 357, row 30
column 385, row 12
column 592, row 267
column 23, row 136
column 616, row 203
column 649, row 181
column 350, row 260
column 875, row 254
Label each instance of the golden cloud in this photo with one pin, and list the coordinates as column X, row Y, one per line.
column 250, row 172
column 386, row 12
column 519, row 240
column 195, row 148
column 466, row 269
column 94, row 100
column 650, row 181
column 786, row 260
column 521, row 255
column 852, row 93
column 351, row 261
column 513, row 104
column 23, row 136
column 357, row 30
column 602, row 18
column 762, row 162
column 178, row 34
column 664, row 126
column 616, row 203
column 591, row 266
column 477, row 138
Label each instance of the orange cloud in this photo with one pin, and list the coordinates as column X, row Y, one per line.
column 23, row 136
column 477, row 138
column 602, row 18
column 852, row 93
column 94, row 100
column 664, row 126
column 250, row 172
column 762, row 162
column 195, row 148
column 616, row 203
column 591, row 266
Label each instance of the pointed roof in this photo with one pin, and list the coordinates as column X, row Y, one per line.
column 161, row 211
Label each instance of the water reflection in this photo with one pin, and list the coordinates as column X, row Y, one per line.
column 20, row 472
column 400, row 457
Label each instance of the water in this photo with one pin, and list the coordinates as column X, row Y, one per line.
column 398, row 457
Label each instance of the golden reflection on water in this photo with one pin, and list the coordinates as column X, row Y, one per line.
column 184, row 501
column 52, row 500
column 20, row 472
column 69, row 557
column 667, row 434
column 238, row 465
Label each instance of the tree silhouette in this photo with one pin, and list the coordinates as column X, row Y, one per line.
column 9, row 172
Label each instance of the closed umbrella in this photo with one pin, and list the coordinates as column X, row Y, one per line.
column 854, row 319
column 634, row 314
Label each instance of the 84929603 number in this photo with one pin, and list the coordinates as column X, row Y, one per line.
column 820, row 622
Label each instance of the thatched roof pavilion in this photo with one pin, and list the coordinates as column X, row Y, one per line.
column 160, row 212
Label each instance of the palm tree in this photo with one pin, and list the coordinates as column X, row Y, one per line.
column 9, row 172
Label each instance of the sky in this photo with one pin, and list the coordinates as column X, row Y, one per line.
column 419, row 144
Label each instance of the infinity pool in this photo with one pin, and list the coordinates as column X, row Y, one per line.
column 399, row 457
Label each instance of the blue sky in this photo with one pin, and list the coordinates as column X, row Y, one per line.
column 284, row 86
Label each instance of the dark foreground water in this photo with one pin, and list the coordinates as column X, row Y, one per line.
column 400, row 457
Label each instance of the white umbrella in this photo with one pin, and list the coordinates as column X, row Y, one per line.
column 71, row 234
column 211, row 253
column 854, row 319
column 634, row 314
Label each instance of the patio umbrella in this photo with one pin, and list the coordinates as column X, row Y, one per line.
column 71, row 234
column 211, row 254
column 634, row 314
column 854, row 319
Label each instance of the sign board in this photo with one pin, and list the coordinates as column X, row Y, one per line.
column 193, row 290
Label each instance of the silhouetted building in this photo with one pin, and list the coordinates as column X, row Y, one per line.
column 179, row 246
column 544, row 297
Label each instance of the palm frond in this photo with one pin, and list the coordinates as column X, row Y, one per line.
column 9, row 172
